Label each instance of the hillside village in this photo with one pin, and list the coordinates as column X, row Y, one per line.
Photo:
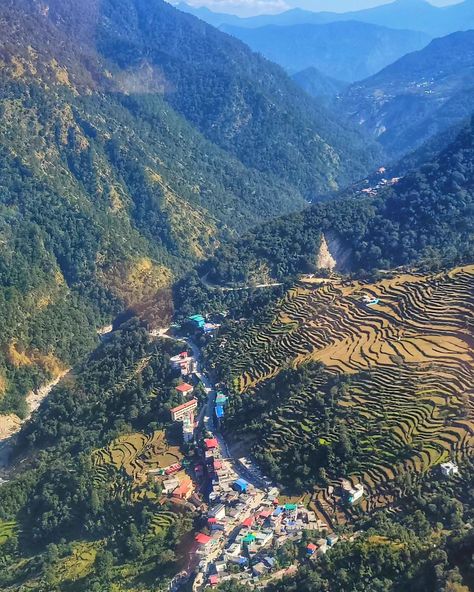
column 245, row 523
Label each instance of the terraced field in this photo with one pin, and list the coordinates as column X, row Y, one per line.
column 7, row 530
column 406, row 343
column 126, row 461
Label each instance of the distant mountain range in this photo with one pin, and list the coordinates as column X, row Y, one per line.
column 401, row 14
column 419, row 96
column 347, row 51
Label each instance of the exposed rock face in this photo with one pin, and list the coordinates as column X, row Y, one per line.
column 333, row 255
column 325, row 259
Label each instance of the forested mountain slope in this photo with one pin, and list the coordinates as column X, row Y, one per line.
column 317, row 84
column 83, row 512
column 133, row 139
column 426, row 217
column 417, row 97
column 346, row 50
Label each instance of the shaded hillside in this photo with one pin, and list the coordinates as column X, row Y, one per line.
column 347, row 51
column 129, row 148
column 427, row 217
column 235, row 98
column 417, row 97
column 317, row 84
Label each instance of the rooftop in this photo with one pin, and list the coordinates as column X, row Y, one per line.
column 211, row 443
column 184, row 388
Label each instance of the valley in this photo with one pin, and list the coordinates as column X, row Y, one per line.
column 236, row 297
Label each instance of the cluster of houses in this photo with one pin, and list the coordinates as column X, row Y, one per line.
column 198, row 322
column 245, row 524
column 373, row 190
column 247, row 529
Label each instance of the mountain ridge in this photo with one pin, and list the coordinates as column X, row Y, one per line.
column 418, row 96
column 347, row 50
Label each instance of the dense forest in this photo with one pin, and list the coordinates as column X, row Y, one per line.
column 130, row 148
column 424, row 219
column 59, row 501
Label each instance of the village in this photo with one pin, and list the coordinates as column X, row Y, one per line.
column 244, row 521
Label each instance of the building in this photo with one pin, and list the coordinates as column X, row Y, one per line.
column 449, row 469
column 184, row 411
column 311, row 549
column 211, row 443
column 198, row 321
column 188, row 429
column 221, row 399
column 219, row 411
column 332, row 539
column 241, row 485
column 185, row 490
column 355, row 494
column 218, row 512
column 170, row 485
column 248, row 522
column 259, row 569
column 322, row 546
column 185, row 389
column 202, row 539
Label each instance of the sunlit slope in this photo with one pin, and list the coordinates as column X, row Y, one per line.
column 408, row 360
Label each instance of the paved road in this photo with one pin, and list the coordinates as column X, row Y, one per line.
column 237, row 288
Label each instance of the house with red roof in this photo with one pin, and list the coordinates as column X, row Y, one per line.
column 184, row 491
column 211, row 443
column 185, row 389
column 202, row 538
column 214, row 580
column 311, row 549
column 247, row 523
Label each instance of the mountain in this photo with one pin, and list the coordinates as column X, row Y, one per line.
column 317, row 84
column 133, row 140
column 424, row 218
column 295, row 16
column 417, row 97
column 419, row 15
column 346, row 50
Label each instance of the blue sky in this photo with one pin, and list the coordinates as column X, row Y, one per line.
column 251, row 7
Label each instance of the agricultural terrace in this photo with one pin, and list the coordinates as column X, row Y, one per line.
column 403, row 347
column 134, row 455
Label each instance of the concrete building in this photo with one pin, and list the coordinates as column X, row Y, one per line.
column 170, row 485
column 218, row 512
column 185, row 389
column 184, row 411
column 449, row 469
column 355, row 493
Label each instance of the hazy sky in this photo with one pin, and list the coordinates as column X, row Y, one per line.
column 251, row 7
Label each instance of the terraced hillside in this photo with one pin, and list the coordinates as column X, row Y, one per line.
column 394, row 380
column 126, row 462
